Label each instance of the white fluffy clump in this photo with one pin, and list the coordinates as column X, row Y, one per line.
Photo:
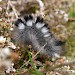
column 4, row 61
column 5, row 52
column 2, row 39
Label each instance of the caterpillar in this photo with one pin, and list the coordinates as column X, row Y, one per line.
column 34, row 31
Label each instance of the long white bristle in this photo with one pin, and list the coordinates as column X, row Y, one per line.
column 21, row 26
column 39, row 25
column 29, row 23
column 44, row 30
column 46, row 35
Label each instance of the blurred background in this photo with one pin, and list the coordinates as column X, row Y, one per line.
column 60, row 16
